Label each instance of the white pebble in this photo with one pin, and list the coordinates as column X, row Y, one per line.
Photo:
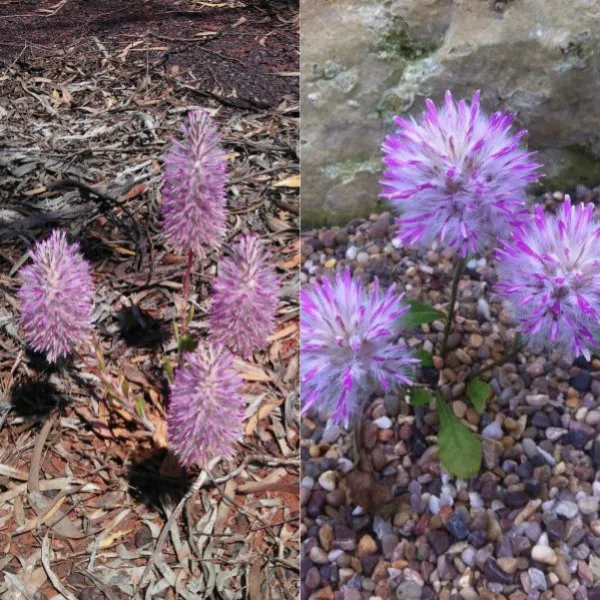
column 588, row 505
column 383, row 422
column 446, row 499
column 362, row 258
column 566, row 509
column 351, row 252
column 434, row 505
column 537, row 399
column 555, row 433
column 476, row 500
column 328, row 480
column 493, row 431
column 483, row 309
column 544, row 554
column 548, row 505
column 345, row 465
column 334, row 555
column 549, row 458
column 307, row 482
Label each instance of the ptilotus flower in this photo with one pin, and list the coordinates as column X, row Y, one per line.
column 204, row 419
column 56, row 297
column 193, row 208
column 456, row 176
column 349, row 345
column 245, row 297
column 550, row 272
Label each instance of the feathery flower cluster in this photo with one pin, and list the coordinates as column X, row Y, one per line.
column 245, row 297
column 550, row 271
column 56, row 297
column 349, row 345
column 456, row 176
column 205, row 410
column 193, row 209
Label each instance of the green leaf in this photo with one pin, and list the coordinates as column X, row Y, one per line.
column 419, row 397
column 168, row 369
column 479, row 392
column 140, row 406
column 426, row 358
column 420, row 313
column 460, row 450
column 187, row 343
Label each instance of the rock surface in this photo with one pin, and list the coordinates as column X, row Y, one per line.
column 365, row 60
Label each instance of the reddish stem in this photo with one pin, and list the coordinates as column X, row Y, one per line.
column 186, row 290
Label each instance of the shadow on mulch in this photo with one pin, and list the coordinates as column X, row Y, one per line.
column 152, row 488
column 36, row 399
column 140, row 330
column 93, row 249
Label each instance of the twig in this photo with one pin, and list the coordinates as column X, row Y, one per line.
column 33, row 482
column 202, row 478
column 201, row 41
column 58, row 586
column 283, row 205
column 84, row 187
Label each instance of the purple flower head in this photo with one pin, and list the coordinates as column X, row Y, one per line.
column 193, row 209
column 550, row 272
column 349, row 345
column 245, row 297
column 205, row 410
column 56, row 297
column 456, row 176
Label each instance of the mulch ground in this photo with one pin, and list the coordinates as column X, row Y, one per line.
column 247, row 51
column 87, row 109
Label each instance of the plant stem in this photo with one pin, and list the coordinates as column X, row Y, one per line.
column 113, row 389
column 186, row 290
column 451, row 312
column 356, row 440
column 497, row 363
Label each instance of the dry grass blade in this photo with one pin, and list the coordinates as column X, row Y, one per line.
column 46, row 559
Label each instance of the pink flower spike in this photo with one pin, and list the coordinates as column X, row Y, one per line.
column 205, row 409
column 245, row 298
column 550, row 273
column 56, row 297
column 350, row 346
column 459, row 172
column 193, row 208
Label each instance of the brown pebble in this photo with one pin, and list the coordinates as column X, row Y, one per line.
column 385, row 435
column 507, row 563
column 381, row 571
column 366, row 546
column 326, row 537
column 325, row 593
column 378, row 459
column 561, row 568
column 562, row 592
column 476, row 341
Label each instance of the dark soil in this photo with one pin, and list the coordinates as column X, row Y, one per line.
column 250, row 57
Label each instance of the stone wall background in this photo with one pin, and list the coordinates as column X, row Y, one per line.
column 363, row 61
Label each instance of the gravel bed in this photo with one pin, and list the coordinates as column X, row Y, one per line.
column 398, row 527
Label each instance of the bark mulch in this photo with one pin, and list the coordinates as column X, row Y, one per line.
column 87, row 484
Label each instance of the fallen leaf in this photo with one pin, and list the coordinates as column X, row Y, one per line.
column 282, row 333
column 292, row 182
